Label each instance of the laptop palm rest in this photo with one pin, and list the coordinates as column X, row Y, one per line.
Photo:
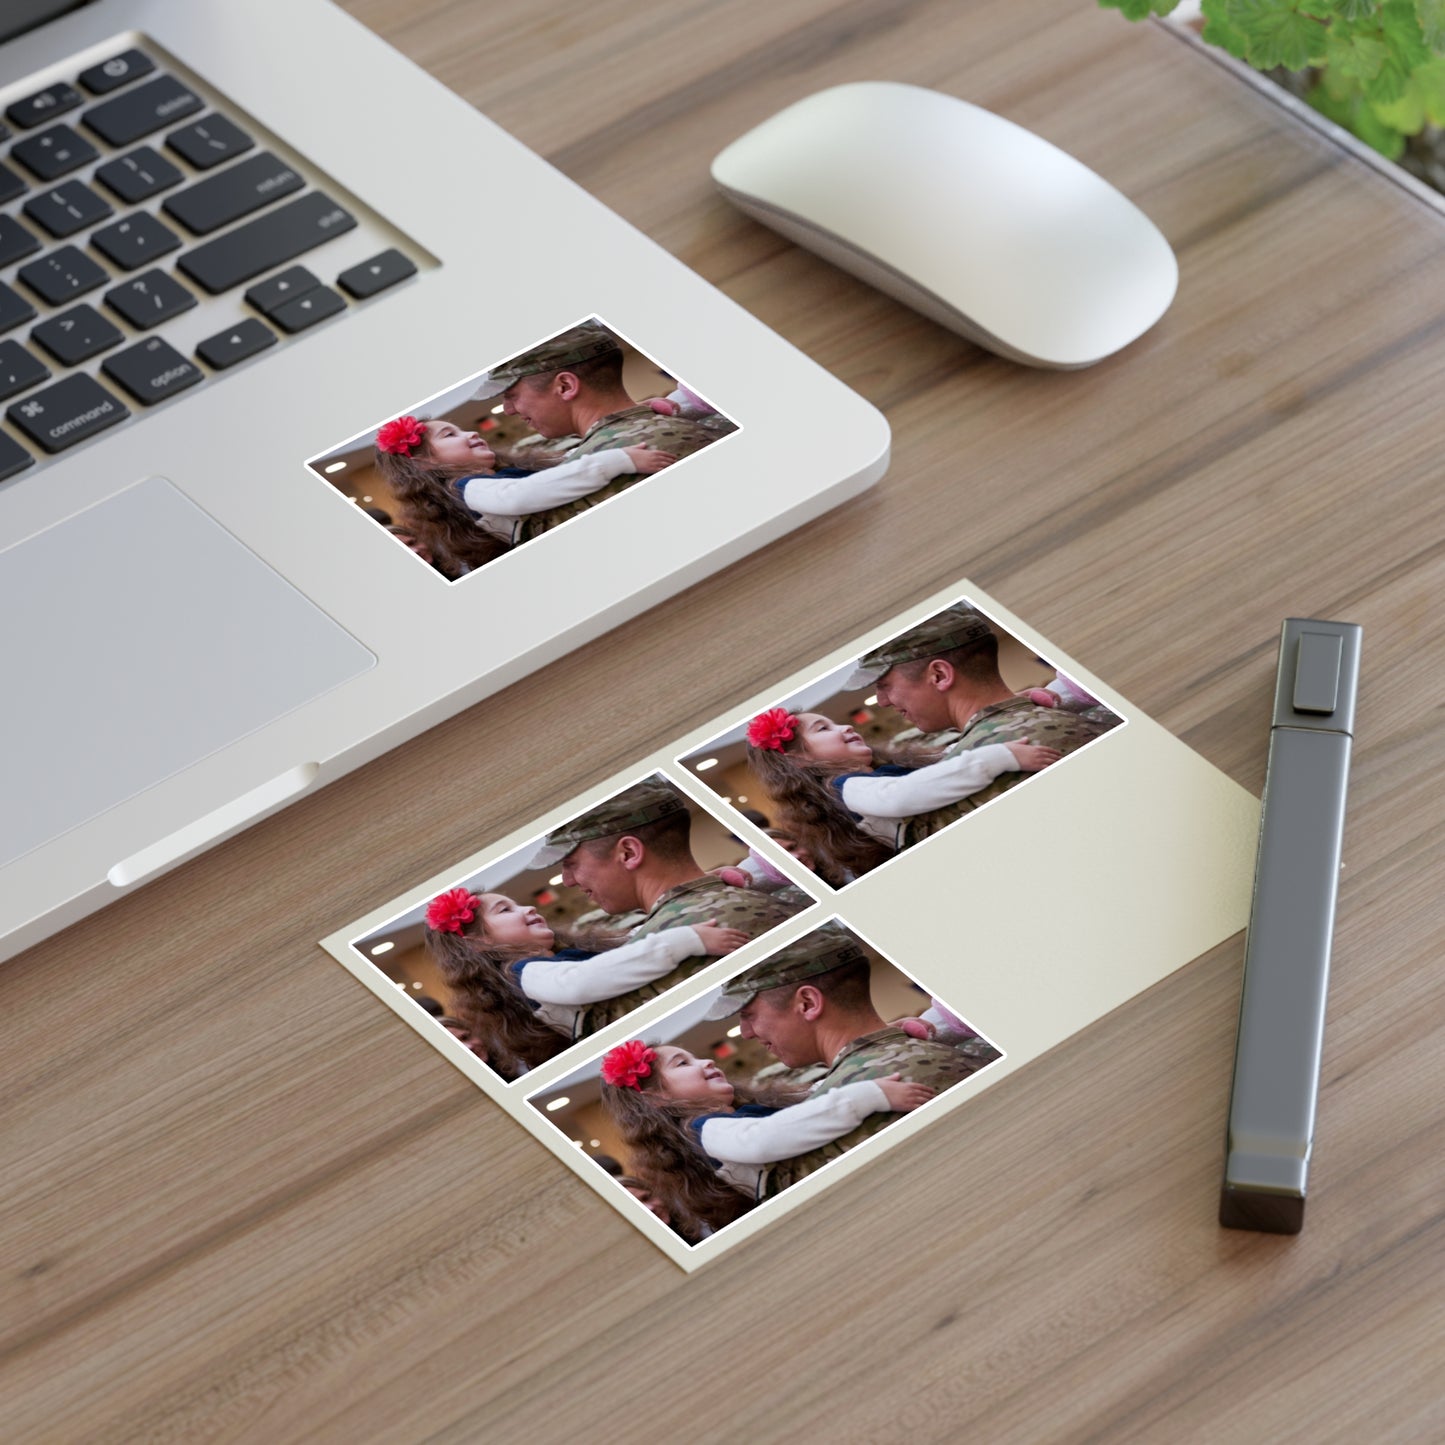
column 194, row 644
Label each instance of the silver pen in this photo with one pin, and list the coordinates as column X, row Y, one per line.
column 1291, row 925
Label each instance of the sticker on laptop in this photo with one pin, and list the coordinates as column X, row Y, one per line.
column 712, row 1112
column 532, row 443
column 520, row 958
column 911, row 737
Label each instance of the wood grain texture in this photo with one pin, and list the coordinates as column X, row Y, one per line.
column 243, row 1202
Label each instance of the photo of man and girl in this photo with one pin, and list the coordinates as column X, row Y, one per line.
column 763, row 1081
column 528, row 445
column 545, row 946
column 919, row 732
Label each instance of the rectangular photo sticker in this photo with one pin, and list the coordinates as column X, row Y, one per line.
column 520, row 958
column 1015, row 848
column 914, row 735
column 703, row 1127
column 511, row 453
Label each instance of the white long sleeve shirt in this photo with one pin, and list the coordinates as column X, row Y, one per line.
column 882, row 803
column 502, row 503
column 565, row 987
column 743, row 1145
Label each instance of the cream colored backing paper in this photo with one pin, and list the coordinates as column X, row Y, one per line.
column 1149, row 853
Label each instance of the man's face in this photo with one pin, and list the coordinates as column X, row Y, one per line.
column 914, row 694
column 538, row 400
column 596, row 869
column 776, row 1021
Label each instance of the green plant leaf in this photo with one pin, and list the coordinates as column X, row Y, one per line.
column 1406, row 115
column 1376, row 134
column 1402, row 33
column 1339, row 109
column 1431, row 16
column 1276, row 33
column 1139, row 9
column 1429, row 82
column 1339, row 86
column 1358, row 57
column 1341, row 9
column 1390, row 82
column 1360, row 120
column 1220, row 30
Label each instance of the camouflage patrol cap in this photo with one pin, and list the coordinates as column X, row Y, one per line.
column 581, row 343
column 644, row 802
column 953, row 627
column 824, row 949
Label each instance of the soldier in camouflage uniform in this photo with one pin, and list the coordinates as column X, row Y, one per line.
column 570, row 388
column 944, row 673
column 633, row 852
column 809, row 1003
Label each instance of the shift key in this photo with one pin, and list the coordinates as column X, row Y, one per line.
column 266, row 242
column 235, row 192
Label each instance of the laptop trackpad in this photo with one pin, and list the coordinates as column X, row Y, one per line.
column 139, row 638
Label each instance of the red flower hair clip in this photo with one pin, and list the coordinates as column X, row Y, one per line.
column 401, row 437
column 448, row 911
column 626, row 1065
column 772, row 729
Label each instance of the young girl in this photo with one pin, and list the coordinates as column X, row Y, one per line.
column 464, row 508
column 523, row 999
column 704, row 1146
column 845, row 811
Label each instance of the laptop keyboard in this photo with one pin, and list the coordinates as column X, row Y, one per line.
column 130, row 200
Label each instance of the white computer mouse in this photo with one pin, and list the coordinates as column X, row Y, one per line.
column 976, row 222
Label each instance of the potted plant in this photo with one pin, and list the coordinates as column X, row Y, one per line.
column 1374, row 67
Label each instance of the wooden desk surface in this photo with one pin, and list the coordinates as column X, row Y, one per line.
column 241, row 1201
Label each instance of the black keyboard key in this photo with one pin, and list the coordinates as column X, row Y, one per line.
column 206, row 143
column 62, row 275
column 152, row 370
column 376, row 274
column 70, row 207
column 13, row 458
column 138, row 176
column 266, row 242
column 235, row 344
column 14, row 308
column 53, row 153
column 220, row 199
column 150, row 299
column 11, row 185
column 15, row 241
column 44, row 105
column 140, row 111
column 285, row 286
column 307, row 310
column 75, row 408
column 135, row 241
column 117, row 71
column 19, row 369
column 77, row 335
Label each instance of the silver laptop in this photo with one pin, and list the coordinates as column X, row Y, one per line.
column 262, row 282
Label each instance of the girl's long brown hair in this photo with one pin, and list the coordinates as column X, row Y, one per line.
column 488, row 1000
column 434, row 513
column 663, row 1152
column 814, row 814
